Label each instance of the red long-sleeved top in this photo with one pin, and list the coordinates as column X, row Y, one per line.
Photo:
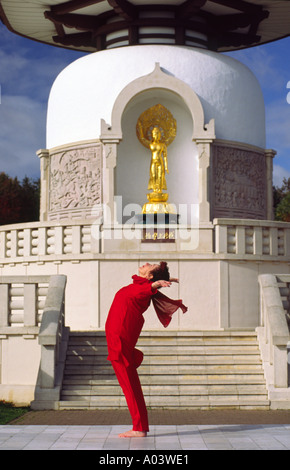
column 125, row 319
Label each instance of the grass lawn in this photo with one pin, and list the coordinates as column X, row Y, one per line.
column 8, row 412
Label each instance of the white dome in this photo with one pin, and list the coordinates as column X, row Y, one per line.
column 86, row 90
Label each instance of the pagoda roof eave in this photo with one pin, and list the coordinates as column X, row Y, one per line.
column 93, row 25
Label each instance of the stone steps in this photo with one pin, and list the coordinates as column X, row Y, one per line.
column 180, row 369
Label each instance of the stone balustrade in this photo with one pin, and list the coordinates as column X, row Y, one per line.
column 33, row 335
column 34, row 240
column 274, row 335
column 53, row 338
column 51, row 330
column 252, row 237
column 80, row 239
column 22, row 301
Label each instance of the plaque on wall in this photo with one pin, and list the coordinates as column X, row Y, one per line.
column 158, row 235
column 75, row 182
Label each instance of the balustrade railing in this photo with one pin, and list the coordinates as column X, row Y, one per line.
column 42, row 239
column 252, row 237
column 51, row 333
column 22, row 300
column 275, row 336
column 31, row 307
column 61, row 240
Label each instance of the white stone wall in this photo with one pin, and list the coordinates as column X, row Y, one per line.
column 19, row 365
column 213, row 282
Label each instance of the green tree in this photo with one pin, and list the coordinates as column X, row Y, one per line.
column 281, row 201
column 283, row 209
column 19, row 202
column 30, row 196
column 10, row 199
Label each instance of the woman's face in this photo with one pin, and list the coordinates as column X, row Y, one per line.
column 146, row 270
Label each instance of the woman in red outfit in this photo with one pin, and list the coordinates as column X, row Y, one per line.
column 123, row 327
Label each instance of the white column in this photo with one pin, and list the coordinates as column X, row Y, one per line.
column 4, row 305
column 109, row 164
column 43, row 154
column 269, row 154
column 204, row 152
column 30, row 309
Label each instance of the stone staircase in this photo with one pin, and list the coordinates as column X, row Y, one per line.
column 201, row 370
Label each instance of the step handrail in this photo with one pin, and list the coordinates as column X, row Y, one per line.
column 276, row 330
column 51, row 331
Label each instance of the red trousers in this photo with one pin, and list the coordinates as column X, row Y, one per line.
column 130, row 384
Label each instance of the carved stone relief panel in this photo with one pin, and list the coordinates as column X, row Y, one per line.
column 75, row 183
column 239, row 183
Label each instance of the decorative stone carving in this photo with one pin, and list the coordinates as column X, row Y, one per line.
column 239, row 183
column 75, row 182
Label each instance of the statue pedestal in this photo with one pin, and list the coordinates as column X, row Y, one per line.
column 158, row 208
column 156, row 227
column 157, row 218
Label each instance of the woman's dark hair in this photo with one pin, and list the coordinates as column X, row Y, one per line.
column 161, row 273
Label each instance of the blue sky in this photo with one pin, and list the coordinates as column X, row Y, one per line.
column 28, row 70
column 271, row 65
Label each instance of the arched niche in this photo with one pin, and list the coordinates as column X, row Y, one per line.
column 195, row 136
column 132, row 169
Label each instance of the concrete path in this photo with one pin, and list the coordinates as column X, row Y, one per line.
column 163, row 438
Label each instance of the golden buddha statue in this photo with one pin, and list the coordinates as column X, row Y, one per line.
column 156, row 129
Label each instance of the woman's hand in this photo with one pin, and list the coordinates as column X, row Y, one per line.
column 158, row 284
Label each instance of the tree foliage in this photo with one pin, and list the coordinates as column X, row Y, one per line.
column 19, row 201
column 281, row 201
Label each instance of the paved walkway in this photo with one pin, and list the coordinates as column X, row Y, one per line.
column 173, row 439
column 170, row 430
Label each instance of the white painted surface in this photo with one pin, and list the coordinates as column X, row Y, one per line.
column 85, row 91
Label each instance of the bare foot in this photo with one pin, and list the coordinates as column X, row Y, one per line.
column 133, row 434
